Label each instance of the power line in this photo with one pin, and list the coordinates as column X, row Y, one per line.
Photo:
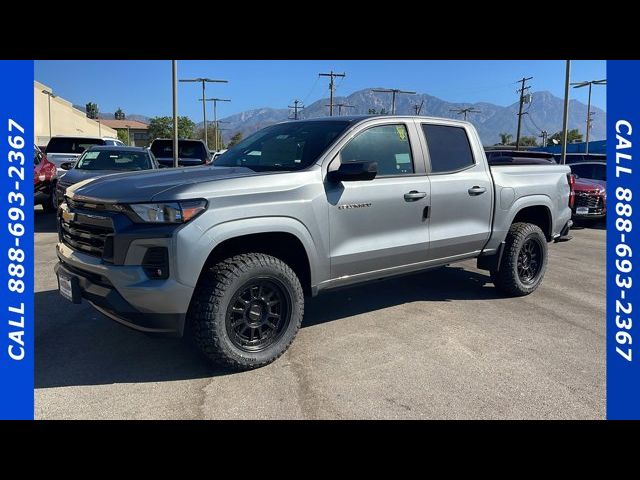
column 523, row 89
column 393, row 92
column 589, row 113
column 341, row 106
column 465, row 111
column 204, row 81
column 418, row 108
column 296, row 107
column 332, row 76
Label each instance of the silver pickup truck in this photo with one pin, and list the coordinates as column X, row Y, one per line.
column 226, row 253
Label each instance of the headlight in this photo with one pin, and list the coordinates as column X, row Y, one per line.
column 167, row 212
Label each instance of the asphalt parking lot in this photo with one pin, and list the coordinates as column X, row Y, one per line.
column 437, row 345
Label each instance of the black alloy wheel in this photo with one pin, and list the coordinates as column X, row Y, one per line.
column 529, row 260
column 258, row 314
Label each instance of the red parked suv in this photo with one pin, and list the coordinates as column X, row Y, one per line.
column 44, row 181
column 590, row 199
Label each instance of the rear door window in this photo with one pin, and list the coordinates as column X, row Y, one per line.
column 449, row 148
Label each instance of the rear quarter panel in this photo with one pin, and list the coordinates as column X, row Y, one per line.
column 522, row 186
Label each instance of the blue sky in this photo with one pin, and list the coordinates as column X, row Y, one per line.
column 144, row 87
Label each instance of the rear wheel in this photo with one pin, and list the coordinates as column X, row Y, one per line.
column 246, row 310
column 524, row 260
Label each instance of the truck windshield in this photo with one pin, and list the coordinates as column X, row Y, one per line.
column 283, row 147
column 120, row 160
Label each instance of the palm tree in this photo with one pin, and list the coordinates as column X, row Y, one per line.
column 505, row 138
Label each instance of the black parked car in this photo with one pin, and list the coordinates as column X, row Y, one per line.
column 581, row 157
column 104, row 160
column 191, row 153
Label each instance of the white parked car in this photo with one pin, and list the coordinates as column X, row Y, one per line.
column 61, row 149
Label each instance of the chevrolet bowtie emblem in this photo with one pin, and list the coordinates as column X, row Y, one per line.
column 68, row 216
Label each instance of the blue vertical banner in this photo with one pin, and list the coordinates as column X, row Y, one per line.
column 623, row 244
column 16, row 240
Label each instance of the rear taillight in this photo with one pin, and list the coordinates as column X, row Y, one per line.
column 571, row 179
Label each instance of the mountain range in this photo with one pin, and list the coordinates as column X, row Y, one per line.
column 544, row 112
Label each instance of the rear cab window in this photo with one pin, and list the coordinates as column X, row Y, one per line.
column 449, row 148
column 72, row 145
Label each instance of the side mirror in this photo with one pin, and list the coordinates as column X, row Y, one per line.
column 67, row 165
column 354, row 172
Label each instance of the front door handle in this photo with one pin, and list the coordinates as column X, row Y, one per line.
column 477, row 190
column 414, row 195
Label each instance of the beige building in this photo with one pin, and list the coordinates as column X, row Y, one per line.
column 136, row 132
column 65, row 120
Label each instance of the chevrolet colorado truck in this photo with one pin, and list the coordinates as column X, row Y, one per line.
column 226, row 253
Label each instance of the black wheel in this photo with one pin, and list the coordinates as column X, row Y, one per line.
column 246, row 310
column 524, row 260
column 51, row 204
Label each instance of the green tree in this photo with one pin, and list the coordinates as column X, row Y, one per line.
column 92, row 110
column 119, row 115
column 573, row 136
column 162, row 127
column 505, row 138
column 373, row 111
column 123, row 135
column 528, row 141
column 237, row 138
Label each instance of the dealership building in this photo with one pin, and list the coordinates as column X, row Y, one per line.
column 54, row 115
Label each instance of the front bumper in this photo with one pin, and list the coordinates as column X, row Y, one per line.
column 116, row 282
column 105, row 298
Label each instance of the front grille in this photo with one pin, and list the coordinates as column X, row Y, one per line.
column 88, row 233
column 584, row 199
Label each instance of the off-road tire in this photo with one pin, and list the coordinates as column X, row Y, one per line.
column 207, row 315
column 506, row 279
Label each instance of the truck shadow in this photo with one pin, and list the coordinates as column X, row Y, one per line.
column 75, row 345
column 44, row 222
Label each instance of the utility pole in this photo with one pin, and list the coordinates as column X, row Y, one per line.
column 296, row 107
column 565, row 114
column 332, row 86
column 418, row 108
column 464, row 111
column 544, row 135
column 128, row 134
column 215, row 117
column 99, row 127
column 204, row 81
column 174, row 82
column 589, row 113
column 50, row 95
column 341, row 106
column 218, row 130
column 522, row 91
column 393, row 92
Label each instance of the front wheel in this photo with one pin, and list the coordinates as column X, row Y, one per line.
column 246, row 310
column 524, row 260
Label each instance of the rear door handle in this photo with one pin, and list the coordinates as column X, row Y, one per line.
column 414, row 195
column 477, row 190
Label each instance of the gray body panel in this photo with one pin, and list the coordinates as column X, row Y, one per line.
column 351, row 232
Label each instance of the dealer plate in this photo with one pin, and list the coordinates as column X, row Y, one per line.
column 582, row 210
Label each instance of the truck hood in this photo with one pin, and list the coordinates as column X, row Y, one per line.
column 77, row 175
column 585, row 184
column 131, row 187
